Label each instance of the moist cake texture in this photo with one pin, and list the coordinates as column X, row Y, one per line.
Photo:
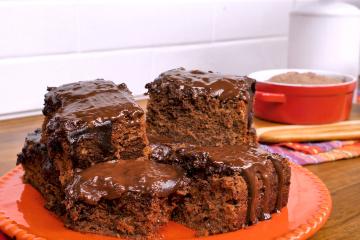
column 203, row 108
column 92, row 121
column 125, row 198
column 40, row 172
column 265, row 180
column 213, row 204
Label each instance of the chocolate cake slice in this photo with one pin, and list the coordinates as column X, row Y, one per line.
column 123, row 198
column 258, row 185
column 203, row 108
column 89, row 122
column 40, row 172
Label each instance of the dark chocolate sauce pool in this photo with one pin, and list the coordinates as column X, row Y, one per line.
column 110, row 180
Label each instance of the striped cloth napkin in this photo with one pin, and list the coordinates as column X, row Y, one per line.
column 314, row 153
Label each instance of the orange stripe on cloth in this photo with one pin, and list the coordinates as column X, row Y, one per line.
column 301, row 147
column 345, row 152
column 301, row 154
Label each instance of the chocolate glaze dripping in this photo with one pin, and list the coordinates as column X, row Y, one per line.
column 279, row 170
column 217, row 85
column 250, row 176
column 248, row 161
column 266, row 214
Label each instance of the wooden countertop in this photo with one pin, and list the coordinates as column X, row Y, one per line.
column 341, row 177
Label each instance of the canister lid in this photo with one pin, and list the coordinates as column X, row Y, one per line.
column 327, row 8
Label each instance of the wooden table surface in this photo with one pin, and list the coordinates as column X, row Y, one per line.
column 341, row 177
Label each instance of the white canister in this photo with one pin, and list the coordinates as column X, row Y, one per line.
column 325, row 35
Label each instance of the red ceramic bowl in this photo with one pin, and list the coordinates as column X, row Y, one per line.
column 302, row 104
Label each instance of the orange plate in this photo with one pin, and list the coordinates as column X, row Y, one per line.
column 23, row 216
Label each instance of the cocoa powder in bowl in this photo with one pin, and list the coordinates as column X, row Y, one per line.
column 308, row 78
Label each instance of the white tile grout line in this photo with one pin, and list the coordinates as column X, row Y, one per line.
column 153, row 47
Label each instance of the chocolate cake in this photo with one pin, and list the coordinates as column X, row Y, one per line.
column 40, row 172
column 89, row 122
column 201, row 107
column 230, row 186
column 93, row 164
column 123, row 198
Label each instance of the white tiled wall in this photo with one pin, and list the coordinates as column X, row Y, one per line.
column 48, row 43
column 35, row 28
column 250, row 19
column 142, row 24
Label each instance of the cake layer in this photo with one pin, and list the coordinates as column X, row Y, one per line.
column 123, row 198
column 213, row 204
column 92, row 121
column 201, row 107
column 267, row 175
column 40, row 172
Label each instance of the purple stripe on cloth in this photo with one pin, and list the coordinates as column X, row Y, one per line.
column 294, row 156
column 326, row 146
column 316, row 152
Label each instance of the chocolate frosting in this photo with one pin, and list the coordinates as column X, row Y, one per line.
column 209, row 83
column 236, row 157
column 90, row 102
column 110, row 180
